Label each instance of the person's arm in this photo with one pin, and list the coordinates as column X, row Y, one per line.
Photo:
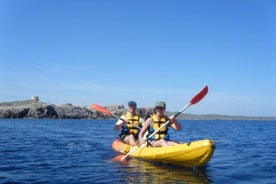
column 144, row 129
column 174, row 123
column 120, row 123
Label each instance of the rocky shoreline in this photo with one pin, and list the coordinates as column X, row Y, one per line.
column 35, row 109
column 41, row 110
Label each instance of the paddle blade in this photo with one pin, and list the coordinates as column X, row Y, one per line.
column 119, row 158
column 200, row 95
column 100, row 108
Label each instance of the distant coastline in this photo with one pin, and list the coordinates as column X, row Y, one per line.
column 225, row 117
column 41, row 110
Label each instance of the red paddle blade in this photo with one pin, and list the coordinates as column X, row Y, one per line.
column 101, row 109
column 119, row 158
column 200, row 95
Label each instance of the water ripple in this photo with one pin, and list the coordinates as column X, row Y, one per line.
column 78, row 151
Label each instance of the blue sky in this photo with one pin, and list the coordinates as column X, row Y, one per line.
column 110, row 52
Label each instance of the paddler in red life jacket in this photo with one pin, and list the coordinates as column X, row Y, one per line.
column 156, row 120
column 131, row 125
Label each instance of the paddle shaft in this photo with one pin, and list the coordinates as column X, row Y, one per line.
column 115, row 116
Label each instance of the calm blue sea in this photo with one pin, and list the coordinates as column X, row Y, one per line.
column 79, row 151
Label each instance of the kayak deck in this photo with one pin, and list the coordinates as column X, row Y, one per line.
column 196, row 153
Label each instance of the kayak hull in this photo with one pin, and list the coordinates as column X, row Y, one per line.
column 196, row 153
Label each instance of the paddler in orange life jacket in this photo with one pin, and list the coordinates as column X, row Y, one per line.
column 131, row 125
column 156, row 120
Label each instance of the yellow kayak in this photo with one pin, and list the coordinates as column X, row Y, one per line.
column 196, row 153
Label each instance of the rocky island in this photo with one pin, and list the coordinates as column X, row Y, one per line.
column 35, row 109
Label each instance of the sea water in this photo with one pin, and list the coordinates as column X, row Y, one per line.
column 79, row 151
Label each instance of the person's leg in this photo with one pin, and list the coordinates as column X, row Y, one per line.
column 160, row 143
column 172, row 143
column 130, row 139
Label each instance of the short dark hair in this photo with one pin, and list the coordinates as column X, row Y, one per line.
column 132, row 103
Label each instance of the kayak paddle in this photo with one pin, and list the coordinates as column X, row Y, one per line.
column 105, row 111
column 194, row 100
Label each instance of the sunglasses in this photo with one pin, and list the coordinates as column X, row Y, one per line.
column 160, row 108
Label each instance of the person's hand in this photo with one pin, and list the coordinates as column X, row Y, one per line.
column 172, row 118
column 125, row 121
column 142, row 141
